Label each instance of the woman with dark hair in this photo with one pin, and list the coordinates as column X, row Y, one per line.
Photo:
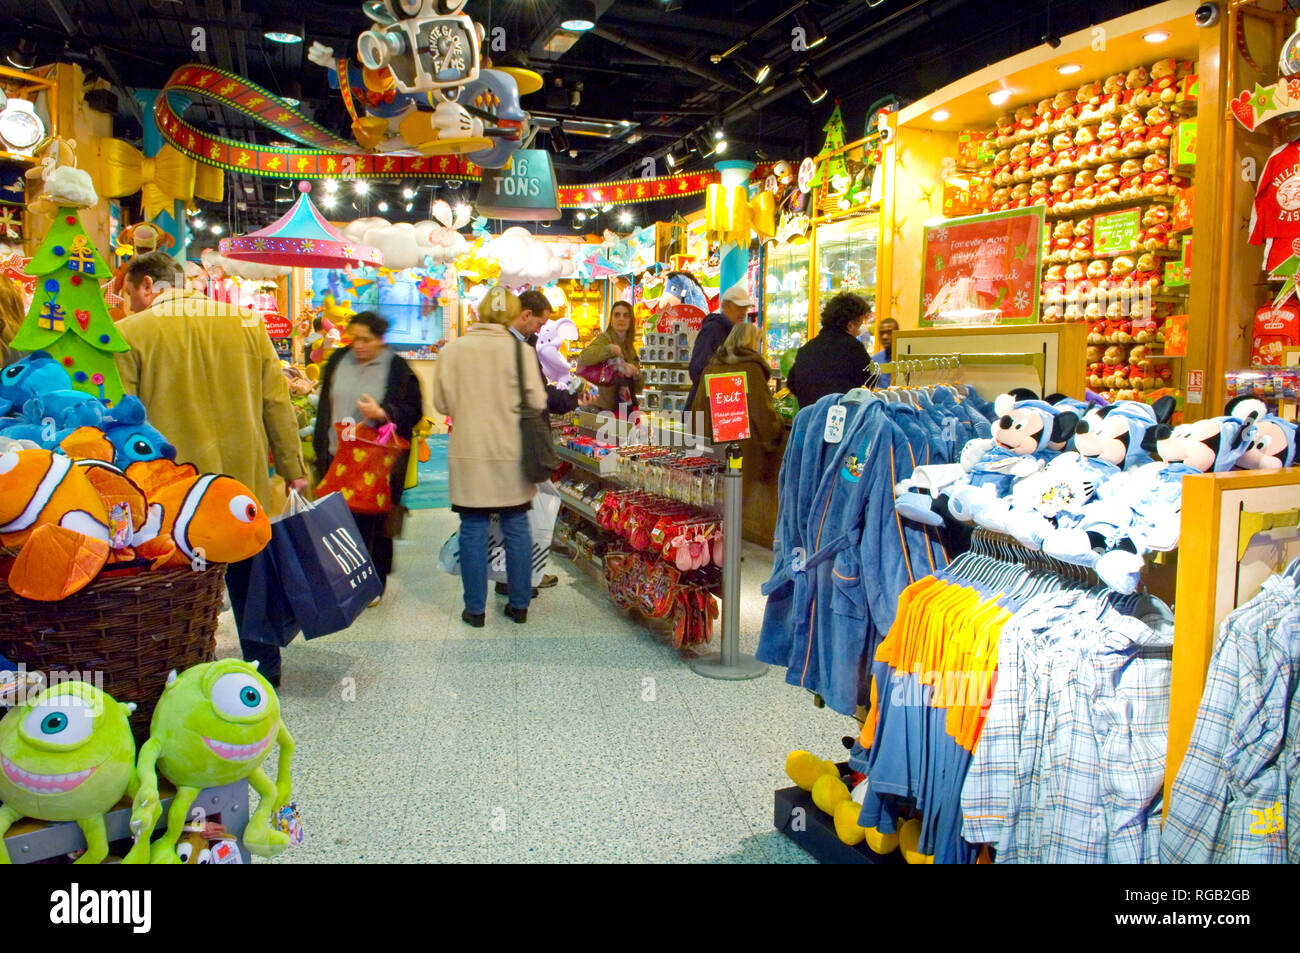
column 617, row 340
column 835, row 360
column 351, row 378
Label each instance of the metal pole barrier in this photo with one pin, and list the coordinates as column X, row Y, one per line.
column 729, row 663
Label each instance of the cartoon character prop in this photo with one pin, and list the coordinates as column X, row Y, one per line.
column 214, row 725
column 68, row 755
column 1274, row 444
column 550, row 340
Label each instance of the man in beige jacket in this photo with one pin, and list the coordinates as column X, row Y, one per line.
column 209, row 379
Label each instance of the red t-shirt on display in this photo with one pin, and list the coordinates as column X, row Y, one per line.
column 1275, row 218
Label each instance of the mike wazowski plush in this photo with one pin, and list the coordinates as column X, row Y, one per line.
column 68, row 755
column 214, row 725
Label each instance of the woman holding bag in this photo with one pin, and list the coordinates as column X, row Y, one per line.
column 617, row 341
column 352, row 378
column 483, row 383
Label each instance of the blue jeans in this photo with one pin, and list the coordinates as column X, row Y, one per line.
column 474, row 529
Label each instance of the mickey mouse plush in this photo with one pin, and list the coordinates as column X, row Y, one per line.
column 1022, row 444
column 1108, row 439
column 1274, row 444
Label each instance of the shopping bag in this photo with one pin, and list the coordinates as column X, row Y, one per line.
column 361, row 467
column 449, row 555
column 541, row 527
column 262, row 611
column 324, row 569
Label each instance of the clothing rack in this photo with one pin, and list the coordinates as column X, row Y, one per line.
column 935, row 362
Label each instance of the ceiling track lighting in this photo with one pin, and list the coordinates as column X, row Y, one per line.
column 23, row 54
column 757, row 72
column 579, row 16
column 701, row 144
column 812, row 86
column 559, row 141
column 813, row 34
column 671, row 159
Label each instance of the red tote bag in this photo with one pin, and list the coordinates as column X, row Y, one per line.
column 360, row 469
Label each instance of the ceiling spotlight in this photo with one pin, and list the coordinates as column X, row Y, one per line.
column 331, row 186
column 812, row 87
column 575, row 96
column 999, row 97
column 757, row 72
column 383, row 206
column 279, row 30
column 579, row 217
column 579, row 16
column 1156, row 36
column 23, row 55
column 408, row 193
column 670, row 159
column 409, row 206
column 1051, row 40
column 1067, row 69
column 361, row 187
column 813, row 34
column 701, row 145
column 606, row 208
column 720, row 147
column 329, row 201
column 625, row 217
column 242, row 206
column 196, row 222
column 559, row 141
column 573, row 153
column 719, row 134
column 940, row 115
column 216, row 229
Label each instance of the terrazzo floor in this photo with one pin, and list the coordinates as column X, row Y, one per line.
column 581, row 736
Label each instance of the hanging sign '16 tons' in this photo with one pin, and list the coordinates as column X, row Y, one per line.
column 522, row 192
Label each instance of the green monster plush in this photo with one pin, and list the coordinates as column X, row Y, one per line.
column 214, row 725
column 68, row 755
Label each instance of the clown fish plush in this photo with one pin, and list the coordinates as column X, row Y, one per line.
column 50, row 509
column 208, row 518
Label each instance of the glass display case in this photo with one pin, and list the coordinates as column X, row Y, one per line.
column 846, row 258
column 786, row 291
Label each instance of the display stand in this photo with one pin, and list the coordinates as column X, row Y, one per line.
column 31, row 841
column 1237, row 528
column 795, row 816
column 728, row 663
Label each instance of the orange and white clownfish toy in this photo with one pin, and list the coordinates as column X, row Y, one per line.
column 52, row 511
column 207, row 518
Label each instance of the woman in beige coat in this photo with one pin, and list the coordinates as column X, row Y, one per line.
column 477, row 386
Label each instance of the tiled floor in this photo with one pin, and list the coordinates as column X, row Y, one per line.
column 580, row 736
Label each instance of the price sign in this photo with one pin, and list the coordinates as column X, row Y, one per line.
column 728, row 406
column 1116, row 233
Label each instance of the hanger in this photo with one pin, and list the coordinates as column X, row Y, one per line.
column 858, row 395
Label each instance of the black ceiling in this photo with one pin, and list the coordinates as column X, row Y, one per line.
column 647, row 61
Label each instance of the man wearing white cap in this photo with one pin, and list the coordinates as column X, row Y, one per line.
column 732, row 309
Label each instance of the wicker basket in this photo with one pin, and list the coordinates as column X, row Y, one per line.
column 132, row 628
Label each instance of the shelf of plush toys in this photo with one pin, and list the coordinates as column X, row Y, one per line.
column 1103, row 148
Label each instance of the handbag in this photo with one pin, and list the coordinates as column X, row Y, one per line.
column 601, row 374
column 362, row 465
column 539, row 456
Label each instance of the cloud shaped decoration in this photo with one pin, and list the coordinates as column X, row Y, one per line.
column 408, row 246
column 526, row 260
column 213, row 260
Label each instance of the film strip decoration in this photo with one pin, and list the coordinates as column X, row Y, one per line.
column 325, row 155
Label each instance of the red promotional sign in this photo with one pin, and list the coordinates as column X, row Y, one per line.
column 277, row 325
column 728, row 406
column 685, row 314
column 983, row 269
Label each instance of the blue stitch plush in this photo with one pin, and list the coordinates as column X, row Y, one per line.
column 133, row 438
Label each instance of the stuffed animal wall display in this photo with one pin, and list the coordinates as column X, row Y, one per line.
column 215, row 724
column 68, row 755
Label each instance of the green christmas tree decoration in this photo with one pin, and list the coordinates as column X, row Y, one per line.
column 836, row 167
column 68, row 318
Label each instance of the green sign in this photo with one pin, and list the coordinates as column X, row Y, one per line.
column 1185, row 153
column 522, row 192
column 1116, row 233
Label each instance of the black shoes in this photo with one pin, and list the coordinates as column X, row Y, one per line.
column 504, row 590
column 517, row 615
column 477, row 621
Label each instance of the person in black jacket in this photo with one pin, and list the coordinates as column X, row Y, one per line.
column 732, row 309
column 835, row 360
column 351, row 378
